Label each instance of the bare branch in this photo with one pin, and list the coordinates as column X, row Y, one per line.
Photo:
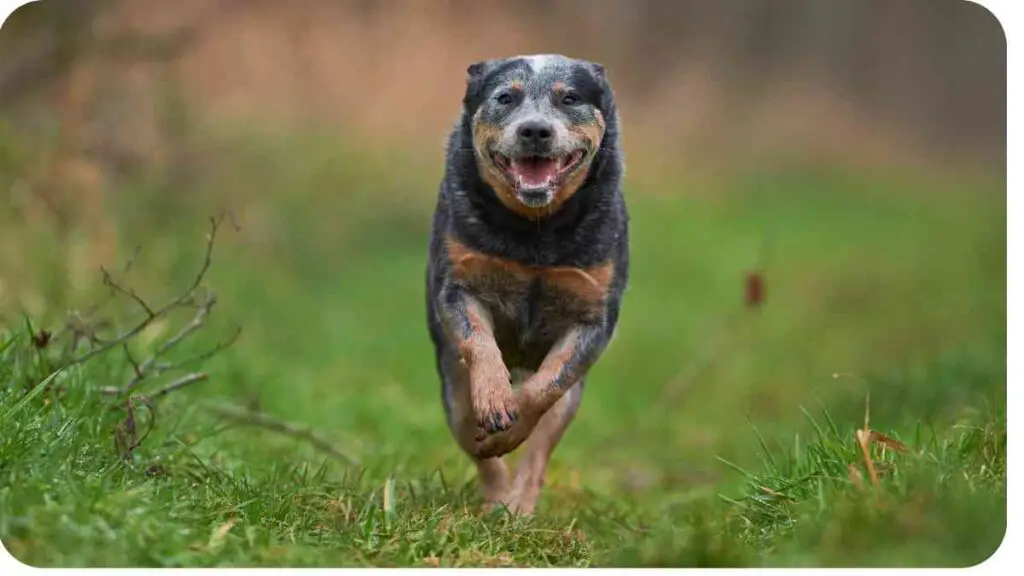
column 131, row 360
column 161, row 367
column 151, row 313
column 261, row 420
column 215, row 224
column 126, row 432
column 180, row 383
column 109, row 281
column 197, row 322
column 147, row 367
column 131, row 261
column 74, row 323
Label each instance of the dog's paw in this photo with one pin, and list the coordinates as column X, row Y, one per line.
column 493, row 445
column 495, row 408
column 494, row 403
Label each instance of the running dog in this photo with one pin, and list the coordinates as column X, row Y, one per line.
column 528, row 261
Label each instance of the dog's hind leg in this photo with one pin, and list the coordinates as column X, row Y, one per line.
column 494, row 481
column 541, row 443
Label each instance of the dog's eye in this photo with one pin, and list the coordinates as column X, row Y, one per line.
column 570, row 99
column 504, row 98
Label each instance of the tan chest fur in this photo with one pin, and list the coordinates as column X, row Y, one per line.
column 557, row 291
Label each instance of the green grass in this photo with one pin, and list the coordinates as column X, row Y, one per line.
column 710, row 434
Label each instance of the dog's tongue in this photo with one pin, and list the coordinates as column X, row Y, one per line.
column 534, row 171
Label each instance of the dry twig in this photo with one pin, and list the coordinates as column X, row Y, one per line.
column 126, row 436
column 262, row 420
column 154, row 313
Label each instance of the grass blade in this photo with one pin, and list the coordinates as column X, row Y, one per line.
column 764, row 446
column 817, row 427
column 735, row 467
column 35, row 391
column 8, row 343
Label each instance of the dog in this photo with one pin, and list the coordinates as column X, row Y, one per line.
column 528, row 261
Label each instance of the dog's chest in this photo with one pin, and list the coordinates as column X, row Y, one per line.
column 531, row 305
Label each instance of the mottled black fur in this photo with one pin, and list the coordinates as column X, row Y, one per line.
column 589, row 229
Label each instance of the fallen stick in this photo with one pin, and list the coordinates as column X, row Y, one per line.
column 261, row 420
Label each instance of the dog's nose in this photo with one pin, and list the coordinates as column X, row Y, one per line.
column 535, row 132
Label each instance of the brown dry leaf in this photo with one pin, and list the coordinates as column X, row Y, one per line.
column 754, row 289
column 432, row 561
column 221, row 532
column 889, row 442
column 864, row 439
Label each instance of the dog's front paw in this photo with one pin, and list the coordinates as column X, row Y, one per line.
column 494, row 405
column 493, row 445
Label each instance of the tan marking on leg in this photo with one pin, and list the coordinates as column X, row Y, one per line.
column 530, row 474
column 493, row 473
column 539, row 395
column 540, row 384
column 495, row 484
column 460, row 407
column 490, row 387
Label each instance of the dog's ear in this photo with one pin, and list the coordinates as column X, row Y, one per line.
column 598, row 71
column 477, row 69
column 476, row 76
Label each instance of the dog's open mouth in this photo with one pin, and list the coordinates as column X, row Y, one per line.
column 537, row 172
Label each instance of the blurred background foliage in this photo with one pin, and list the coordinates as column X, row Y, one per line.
column 99, row 97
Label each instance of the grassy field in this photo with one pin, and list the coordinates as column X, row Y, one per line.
column 712, row 433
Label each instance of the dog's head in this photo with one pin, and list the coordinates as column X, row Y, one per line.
column 537, row 124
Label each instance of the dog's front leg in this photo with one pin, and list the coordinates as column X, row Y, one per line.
column 565, row 364
column 468, row 324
